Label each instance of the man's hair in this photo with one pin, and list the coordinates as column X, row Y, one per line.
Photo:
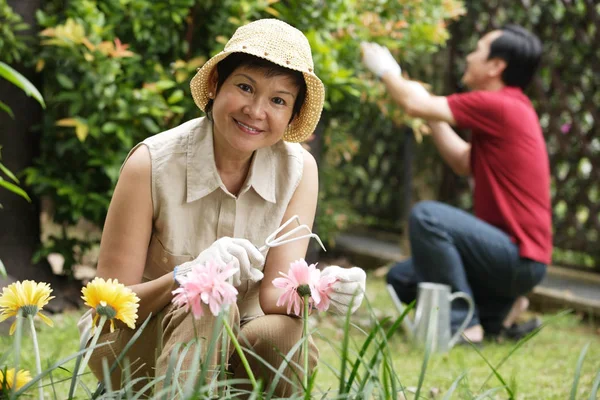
column 234, row 61
column 521, row 50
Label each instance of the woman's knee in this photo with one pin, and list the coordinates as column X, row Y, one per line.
column 278, row 334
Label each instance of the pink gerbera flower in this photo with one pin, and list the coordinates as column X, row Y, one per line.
column 208, row 284
column 303, row 279
column 324, row 289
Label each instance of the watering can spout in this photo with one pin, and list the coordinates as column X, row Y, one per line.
column 409, row 326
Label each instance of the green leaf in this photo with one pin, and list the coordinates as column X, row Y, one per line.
column 14, row 188
column 177, row 96
column 7, row 109
column 163, row 85
column 65, row 81
column 150, row 125
column 2, row 270
column 8, row 173
column 109, row 127
column 20, row 81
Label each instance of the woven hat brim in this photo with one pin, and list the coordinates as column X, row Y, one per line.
column 305, row 123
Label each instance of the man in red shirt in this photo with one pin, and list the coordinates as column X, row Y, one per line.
column 501, row 252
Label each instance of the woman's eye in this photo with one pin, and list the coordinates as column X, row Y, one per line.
column 279, row 101
column 244, row 87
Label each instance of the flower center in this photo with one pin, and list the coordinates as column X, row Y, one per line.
column 304, row 290
column 29, row 310
column 104, row 309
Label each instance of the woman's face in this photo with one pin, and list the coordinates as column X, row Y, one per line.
column 251, row 110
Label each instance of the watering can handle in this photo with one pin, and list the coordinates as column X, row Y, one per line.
column 410, row 326
column 469, row 300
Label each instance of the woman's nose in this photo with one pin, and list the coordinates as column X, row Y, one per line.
column 255, row 109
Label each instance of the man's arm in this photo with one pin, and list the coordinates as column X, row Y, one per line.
column 410, row 95
column 454, row 150
column 416, row 100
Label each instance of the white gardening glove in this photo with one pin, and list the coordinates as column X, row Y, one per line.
column 349, row 287
column 378, row 59
column 244, row 256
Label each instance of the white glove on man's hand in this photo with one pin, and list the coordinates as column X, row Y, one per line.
column 244, row 256
column 378, row 59
column 349, row 287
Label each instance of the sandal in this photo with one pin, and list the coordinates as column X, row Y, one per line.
column 517, row 332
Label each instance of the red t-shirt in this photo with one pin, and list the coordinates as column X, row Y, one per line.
column 510, row 166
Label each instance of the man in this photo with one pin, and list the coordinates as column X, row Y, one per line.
column 501, row 252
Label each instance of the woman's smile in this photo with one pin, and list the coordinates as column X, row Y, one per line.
column 246, row 128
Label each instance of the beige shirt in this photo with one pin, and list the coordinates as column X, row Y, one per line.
column 192, row 207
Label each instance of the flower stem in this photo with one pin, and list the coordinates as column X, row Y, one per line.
column 17, row 347
column 36, row 350
column 236, row 344
column 305, row 344
column 88, row 354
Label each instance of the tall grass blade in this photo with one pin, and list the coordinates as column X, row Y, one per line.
column 511, row 395
column 595, row 386
column 361, row 354
column 573, row 395
column 525, row 340
column 17, row 348
column 210, row 349
column 127, row 378
column 431, row 337
column 370, row 338
column 147, row 387
column 57, row 364
column 488, row 393
column 170, row 368
column 52, row 385
column 121, row 355
column 75, row 376
column 453, row 387
column 344, row 355
column 175, row 385
column 193, row 373
column 287, row 360
column 107, row 380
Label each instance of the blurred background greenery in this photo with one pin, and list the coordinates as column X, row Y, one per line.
column 114, row 72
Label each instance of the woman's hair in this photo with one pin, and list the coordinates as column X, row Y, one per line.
column 236, row 60
column 521, row 50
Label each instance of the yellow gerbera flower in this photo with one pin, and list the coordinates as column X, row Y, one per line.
column 112, row 300
column 29, row 297
column 22, row 378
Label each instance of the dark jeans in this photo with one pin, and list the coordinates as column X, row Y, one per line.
column 453, row 247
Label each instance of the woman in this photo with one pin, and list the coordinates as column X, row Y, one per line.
column 236, row 173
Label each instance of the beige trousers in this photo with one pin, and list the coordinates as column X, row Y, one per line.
column 269, row 336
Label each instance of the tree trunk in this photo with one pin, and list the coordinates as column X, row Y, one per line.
column 19, row 220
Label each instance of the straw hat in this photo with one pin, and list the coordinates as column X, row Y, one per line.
column 280, row 44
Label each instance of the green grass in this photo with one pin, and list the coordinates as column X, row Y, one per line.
column 544, row 368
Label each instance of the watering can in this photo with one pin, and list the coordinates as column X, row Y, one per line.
column 432, row 316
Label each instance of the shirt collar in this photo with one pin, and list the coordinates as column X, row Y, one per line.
column 202, row 174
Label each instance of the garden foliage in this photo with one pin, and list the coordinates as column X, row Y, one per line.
column 118, row 71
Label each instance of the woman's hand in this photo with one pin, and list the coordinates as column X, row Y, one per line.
column 244, row 256
column 349, row 288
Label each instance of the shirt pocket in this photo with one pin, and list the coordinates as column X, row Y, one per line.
column 161, row 261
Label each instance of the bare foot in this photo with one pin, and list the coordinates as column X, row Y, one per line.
column 474, row 333
column 519, row 307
